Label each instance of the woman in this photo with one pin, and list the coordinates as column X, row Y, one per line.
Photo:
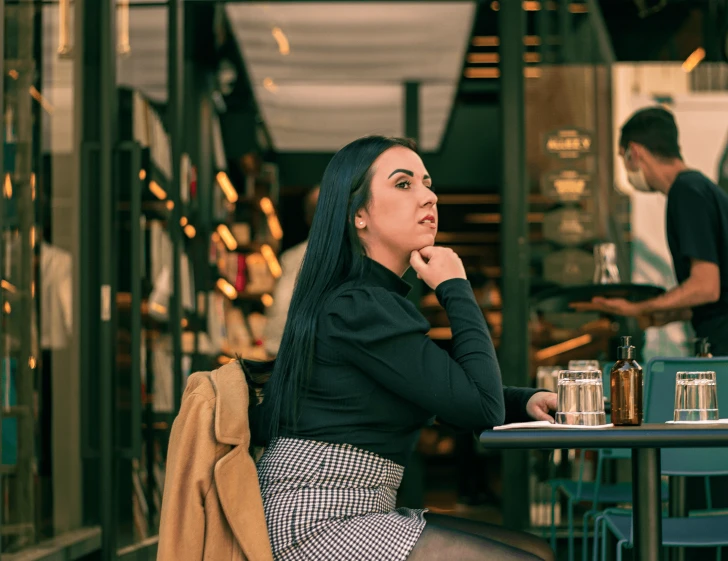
column 357, row 376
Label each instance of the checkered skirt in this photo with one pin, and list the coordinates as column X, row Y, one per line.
column 334, row 502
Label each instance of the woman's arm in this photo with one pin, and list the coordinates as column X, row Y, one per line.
column 386, row 336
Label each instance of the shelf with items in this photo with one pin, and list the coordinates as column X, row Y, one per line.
column 155, row 227
column 23, row 251
column 242, row 259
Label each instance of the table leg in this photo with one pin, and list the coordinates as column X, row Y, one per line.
column 677, row 509
column 647, row 504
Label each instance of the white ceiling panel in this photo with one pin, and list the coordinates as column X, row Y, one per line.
column 348, row 62
column 308, row 117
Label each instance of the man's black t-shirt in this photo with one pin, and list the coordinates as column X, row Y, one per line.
column 697, row 228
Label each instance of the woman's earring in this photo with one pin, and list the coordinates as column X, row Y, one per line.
column 361, row 223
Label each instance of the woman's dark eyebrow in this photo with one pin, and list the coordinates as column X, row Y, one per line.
column 408, row 172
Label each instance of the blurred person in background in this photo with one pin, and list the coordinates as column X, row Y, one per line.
column 290, row 260
column 697, row 234
column 357, row 376
column 697, row 231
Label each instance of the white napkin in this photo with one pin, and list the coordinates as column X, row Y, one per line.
column 718, row 422
column 548, row 425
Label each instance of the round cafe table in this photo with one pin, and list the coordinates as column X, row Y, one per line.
column 646, row 441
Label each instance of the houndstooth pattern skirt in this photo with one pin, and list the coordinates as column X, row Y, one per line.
column 334, row 502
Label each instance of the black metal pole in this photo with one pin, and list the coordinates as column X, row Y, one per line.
column 411, row 490
column 85, row 98
column 711, row 36
column 175, row 108
column 514, row 246
column 205, row 167
column 412, row 110
column 565, row 30
column 194, row 79
column 204, row 196
column 412, row 130
column 95, row 99
column 646, row 503
column 106, row 336
column 137, row 266
column 677, row 510
column 544, row 34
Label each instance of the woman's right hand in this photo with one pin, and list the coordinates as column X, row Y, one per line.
column 437, row 264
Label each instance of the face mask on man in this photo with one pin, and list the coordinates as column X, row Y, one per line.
column 637, row 178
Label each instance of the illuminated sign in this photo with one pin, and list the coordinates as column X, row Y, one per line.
column 566, row 185
column 569, row 144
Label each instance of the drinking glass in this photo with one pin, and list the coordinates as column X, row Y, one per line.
column 584, row 365
column 605, row 260
column 696, row 397
column 547, row 377
column 581, row 398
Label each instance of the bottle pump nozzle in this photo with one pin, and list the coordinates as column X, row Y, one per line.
column 626, row 351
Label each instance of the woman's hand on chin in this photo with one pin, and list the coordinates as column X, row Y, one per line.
column 435, row 265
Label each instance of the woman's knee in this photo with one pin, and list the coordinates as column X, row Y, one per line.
column 540, row 548
column 519, row 540
column 445, row 544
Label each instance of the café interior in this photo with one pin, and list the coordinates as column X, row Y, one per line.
column 164, row 159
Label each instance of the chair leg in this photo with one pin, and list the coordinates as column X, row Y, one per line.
column 597, row 537
column 571, row 529
column 604, row 539
column 620, row 548
column 553, row 518
column 585, row 541
column 719, row 553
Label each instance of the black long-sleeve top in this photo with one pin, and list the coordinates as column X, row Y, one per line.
column 378, row 377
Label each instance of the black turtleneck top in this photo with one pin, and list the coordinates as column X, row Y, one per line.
column 378, row 378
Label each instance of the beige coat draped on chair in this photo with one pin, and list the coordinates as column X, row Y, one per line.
column 212, row 509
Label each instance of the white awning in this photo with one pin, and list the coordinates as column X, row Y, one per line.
column 348, row 62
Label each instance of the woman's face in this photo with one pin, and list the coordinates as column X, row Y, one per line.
column 402, row 214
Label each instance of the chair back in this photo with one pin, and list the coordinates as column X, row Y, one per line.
column 659, row 390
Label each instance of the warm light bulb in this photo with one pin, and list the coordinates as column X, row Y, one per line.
column 227, row 187
column 270, row 258
column 227, row 289
column 227, row 237
column 157, row 190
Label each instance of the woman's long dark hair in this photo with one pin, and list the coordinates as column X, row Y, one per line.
column 333, row 255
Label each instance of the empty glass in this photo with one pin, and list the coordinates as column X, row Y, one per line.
column 581, row 398
column 547, row 377
column 584, row 365
column 696, row 397
column 605, row 261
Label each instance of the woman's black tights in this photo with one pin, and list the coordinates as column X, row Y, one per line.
column 446, row 538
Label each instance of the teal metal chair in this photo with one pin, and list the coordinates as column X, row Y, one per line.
column 710, row 528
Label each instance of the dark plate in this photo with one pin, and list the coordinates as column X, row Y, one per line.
column 557, row 300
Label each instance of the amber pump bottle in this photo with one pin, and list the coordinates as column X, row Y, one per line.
column 626, row 385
